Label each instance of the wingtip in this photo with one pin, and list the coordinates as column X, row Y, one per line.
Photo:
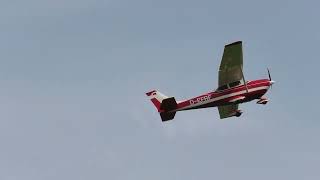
column 234, row 43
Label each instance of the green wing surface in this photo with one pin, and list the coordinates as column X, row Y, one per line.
column 227, row 110
column 231, row 64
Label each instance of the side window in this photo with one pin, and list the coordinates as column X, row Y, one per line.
column 233, row 84
column 222, row 87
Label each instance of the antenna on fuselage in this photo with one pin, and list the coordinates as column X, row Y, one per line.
column 245, row 83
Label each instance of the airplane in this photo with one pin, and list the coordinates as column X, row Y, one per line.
column 232, row 90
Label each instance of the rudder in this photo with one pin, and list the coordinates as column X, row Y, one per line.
column 156, row 98
column 164, row 105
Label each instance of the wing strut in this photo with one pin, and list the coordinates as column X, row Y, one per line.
column 245, row 83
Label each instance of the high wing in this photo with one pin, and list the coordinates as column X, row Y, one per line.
column 231, row 64
column 230, row 71
column 227, row 110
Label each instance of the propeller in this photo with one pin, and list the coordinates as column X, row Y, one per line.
column 271, row 82
column 269, row 74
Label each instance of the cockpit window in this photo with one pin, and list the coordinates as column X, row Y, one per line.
column 222, row 88
column 233, row 84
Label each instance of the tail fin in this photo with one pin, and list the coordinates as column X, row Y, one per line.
column 163, row 104
column 156, row 98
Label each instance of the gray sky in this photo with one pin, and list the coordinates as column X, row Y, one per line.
column 73, row 74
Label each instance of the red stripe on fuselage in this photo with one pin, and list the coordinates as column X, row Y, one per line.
column 251, row 96
column 216, row 94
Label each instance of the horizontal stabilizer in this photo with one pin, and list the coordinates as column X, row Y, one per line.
column 168, row 104
column 166, row 116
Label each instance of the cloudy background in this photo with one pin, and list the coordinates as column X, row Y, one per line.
column 73, row 74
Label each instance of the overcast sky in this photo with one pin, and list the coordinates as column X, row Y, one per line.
column 73, row 74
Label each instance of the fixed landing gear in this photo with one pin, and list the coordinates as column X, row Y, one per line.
column 263, row 101
column 237, row 113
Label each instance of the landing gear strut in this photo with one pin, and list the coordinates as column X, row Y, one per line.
column 238, row 113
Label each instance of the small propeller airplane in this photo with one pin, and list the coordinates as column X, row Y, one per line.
column 233, row 89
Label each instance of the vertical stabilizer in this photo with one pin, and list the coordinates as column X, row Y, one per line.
column 166, row 106
column 156, row 98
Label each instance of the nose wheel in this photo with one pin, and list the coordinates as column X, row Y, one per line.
column 263, row 101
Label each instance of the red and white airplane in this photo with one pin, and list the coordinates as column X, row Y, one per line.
column 233, row 89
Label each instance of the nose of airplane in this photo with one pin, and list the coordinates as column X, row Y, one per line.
column 271, row 82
